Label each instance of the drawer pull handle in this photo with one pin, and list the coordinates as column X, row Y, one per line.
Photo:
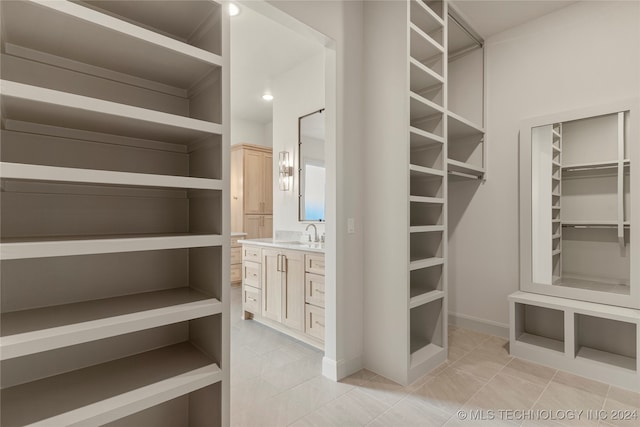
column 319, row 324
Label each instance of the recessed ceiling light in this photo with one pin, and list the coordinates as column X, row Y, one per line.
column 233, row 9
column 267, row 97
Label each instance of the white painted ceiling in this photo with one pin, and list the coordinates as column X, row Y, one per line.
column 492, row 17
column 261, row 50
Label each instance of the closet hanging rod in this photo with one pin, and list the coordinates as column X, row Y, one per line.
column 455, row 17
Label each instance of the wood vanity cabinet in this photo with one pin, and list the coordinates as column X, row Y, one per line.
column 314, row 293
column 283, row 287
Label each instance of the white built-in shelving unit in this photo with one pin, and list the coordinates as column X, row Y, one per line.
column 114, row 185
column 411, row 284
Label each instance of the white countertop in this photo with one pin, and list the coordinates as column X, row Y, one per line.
column 298, row 246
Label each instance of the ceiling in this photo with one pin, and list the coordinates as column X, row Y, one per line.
column 492, row 17
column 261, row 50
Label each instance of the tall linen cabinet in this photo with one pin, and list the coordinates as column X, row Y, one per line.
column 115, row 250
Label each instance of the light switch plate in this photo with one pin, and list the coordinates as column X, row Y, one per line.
column 351, row 225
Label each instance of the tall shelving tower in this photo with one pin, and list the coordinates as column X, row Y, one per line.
column 114, row 234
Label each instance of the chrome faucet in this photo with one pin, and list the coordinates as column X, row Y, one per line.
column 315, row 232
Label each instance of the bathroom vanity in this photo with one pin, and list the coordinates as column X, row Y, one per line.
column 283, row 287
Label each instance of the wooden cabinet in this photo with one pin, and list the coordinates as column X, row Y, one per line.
column 235, row 275
column 283, row 287
column 258, row 226
column 252, row 190
column 114, row 120
column 285, row 290
column 314, row 295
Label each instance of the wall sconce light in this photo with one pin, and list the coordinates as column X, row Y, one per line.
column 285, row 171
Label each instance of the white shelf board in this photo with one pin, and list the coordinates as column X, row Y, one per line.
column 424, row 353
column 425, row 298
column 419, row 139
column 425, row 263
column 91, row 176
column 85, row 245
column 595, row 165
column 583, row 307
column 41, row 329
column 52, row 107
column 107, row 392
column 459, row 127
column 426, row 228
column 423, row 199
column 425, row 17
column 540, row 341
column 607, row 358
column 556, row 133
column 422, row 77
column 465, row 168
column 421, row 171
column 556, row 252
column 423, row 47
column 556, row 236
column 106, row 42
column 420, row 107
column 558, row 149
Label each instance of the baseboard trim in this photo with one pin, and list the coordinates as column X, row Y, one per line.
column 479, row 325
column 337, row 370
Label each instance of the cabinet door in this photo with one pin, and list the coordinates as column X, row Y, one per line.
column 267, row 226
column 271, row 285
column 293, row 290
column 268, row 183
column 253, row 182
column 253, row 226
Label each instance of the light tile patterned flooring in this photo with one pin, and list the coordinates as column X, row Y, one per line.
column 276, row 381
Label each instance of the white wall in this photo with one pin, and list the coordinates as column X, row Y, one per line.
column 297, row 92
column 585, row 54
column 249, row 132
column 267, row 134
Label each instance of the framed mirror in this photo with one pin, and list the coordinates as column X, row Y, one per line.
column 577, row 210
column 311, row 167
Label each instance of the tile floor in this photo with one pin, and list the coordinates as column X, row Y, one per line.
column 276, row 381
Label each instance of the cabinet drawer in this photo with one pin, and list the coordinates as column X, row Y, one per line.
column 236, row 273
column 236, row 255
column 314, row 289
column 251, row 253
column 234, row 242
column 251, row 274
column 251, row 299
column 314, row 322
column 314, row 263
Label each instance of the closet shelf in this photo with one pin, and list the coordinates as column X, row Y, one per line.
column 556, row 252
column 423, row 199
column 422, row 350
column 426, row 228
column 91, row 176
column 422, row 76
column 421, row 171
column 607, row 358
column 558, row 149
column 540, row 341
column 593, row 224
column 472, row 171
column 422, row 107
column 595, row 165
column 52, row 107
column 556, row 133
column 41, row 329
column 103, row 393
column 424, row 42
column 106, row 42
column 425, row 17
column 87, row 245
column 419, row 138
column 425, row 263
column 425, row 298
column 459, row 127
